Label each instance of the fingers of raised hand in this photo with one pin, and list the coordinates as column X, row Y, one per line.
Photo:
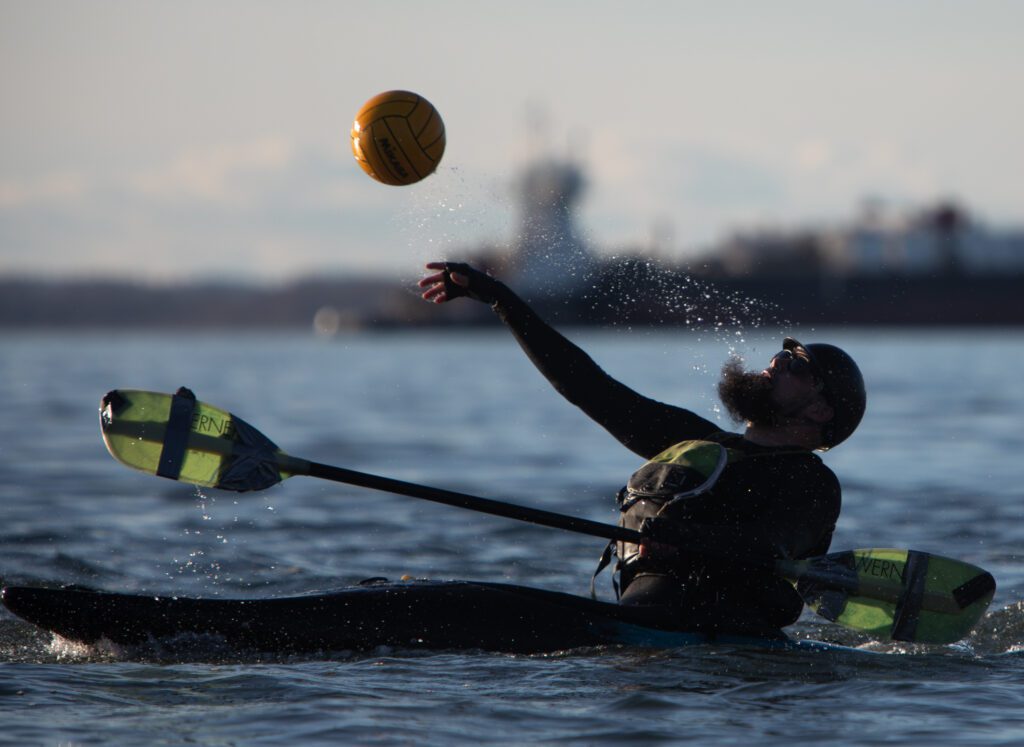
column 435, row 293
column 431, row 280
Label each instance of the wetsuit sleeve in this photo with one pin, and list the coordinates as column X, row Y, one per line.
column 643, row 425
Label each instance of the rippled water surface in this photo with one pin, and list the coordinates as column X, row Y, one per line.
column 936, row 466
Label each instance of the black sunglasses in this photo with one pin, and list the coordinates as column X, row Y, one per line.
column 800, row 365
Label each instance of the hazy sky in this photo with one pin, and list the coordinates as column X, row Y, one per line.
column 210, row 139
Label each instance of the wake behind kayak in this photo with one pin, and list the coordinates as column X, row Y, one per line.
column 437, row 615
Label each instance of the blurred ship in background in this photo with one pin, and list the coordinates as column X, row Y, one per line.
column 935, row 265
column 932, row 266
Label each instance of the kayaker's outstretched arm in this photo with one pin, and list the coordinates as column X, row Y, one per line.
column 643, row 425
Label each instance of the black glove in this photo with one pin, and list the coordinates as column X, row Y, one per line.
column 665, row 531
column 482, row 287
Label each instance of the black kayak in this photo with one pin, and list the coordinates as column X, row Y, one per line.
column 437, row 615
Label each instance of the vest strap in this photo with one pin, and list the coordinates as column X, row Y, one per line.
column 606, row 558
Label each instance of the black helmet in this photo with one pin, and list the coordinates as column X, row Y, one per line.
column 843, row 387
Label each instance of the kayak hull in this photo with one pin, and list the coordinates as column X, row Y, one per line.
column 437, row 615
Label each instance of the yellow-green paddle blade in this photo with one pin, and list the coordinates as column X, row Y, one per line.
column 900, row 595
column 178, row 437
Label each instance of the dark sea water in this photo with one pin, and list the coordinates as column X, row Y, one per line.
column 936, row 466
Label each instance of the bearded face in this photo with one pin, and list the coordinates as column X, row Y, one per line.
column 747, row 395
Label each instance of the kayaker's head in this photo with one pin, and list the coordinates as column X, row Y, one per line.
column 813, row 393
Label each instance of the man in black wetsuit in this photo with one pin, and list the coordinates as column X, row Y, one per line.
column 705, row 560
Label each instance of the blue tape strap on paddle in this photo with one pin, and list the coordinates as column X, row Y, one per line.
column 980, row 586
column 908, row 608
column 179, row 425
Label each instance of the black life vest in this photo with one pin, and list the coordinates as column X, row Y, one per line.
column 679, row 473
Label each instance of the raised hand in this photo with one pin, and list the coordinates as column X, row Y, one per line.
column 457, row 279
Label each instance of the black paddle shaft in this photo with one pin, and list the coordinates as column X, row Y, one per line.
column 484, row 505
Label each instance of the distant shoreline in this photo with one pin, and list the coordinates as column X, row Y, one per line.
column 612, row 300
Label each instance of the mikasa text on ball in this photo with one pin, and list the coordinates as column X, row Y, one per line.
column 398, row 137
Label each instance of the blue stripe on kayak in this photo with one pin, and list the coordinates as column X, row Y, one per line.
column 627, row 634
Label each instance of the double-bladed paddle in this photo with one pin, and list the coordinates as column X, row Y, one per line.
column 903, row 595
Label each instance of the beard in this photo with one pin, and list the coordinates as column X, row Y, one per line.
column 747, row 395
